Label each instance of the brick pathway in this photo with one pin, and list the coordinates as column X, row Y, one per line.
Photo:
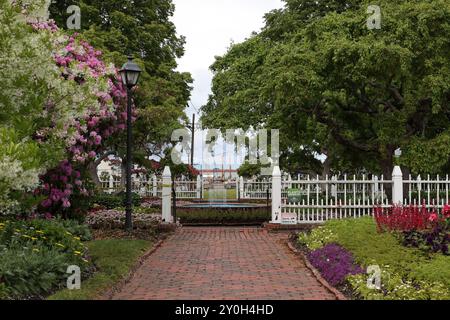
column 223, row 263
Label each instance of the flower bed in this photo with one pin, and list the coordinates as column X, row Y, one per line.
column 115, row 219
column 408, row 271
column 334, row 263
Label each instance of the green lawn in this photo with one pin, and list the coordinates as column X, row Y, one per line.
column 114, row 259
column 218, row 194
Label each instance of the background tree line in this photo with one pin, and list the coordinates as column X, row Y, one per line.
column 336, row 88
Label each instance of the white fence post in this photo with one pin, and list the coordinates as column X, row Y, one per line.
column 397, row 186
column 237, row 188
column 334, row 187
column 154, row 186
column 199, row 186
column 276, row 195
column 241, row 187
column 111, row 184
column 167, row 195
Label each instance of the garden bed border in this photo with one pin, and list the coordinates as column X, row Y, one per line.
column 339, row 295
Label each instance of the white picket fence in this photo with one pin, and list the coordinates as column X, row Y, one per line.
column 185, row 189
column 335, row 198
column 338, row 198
column 318, row 200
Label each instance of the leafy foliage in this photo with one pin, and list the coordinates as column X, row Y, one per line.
column 113, row 259
column 144, row 29
column 113, row 201
column 335, row 87
column 318, row 238
column 34, row 100
column 35, row 254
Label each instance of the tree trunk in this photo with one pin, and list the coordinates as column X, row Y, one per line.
column 326, row 167
column 92, row 168
column 387, row 166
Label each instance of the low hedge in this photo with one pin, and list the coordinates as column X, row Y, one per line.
column 217, row 216
column 112, row 201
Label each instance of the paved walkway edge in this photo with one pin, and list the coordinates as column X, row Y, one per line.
column 108, row 295
column 316, row 273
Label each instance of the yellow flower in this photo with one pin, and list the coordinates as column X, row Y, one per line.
column 33, row 238
column 84, row 260
column 26, row 236
column 60, row 245
column 40, row 231
column 77, row 238
column 77, row 253
column 16, row 230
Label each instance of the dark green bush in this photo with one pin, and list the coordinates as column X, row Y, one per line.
column 112, row 201
column 222, row 216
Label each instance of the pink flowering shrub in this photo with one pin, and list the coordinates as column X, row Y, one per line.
column 115, row 219
column 81, row 63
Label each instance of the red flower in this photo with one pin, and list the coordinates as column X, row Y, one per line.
column 433, row 217
column 401, row 218
column 446, row 211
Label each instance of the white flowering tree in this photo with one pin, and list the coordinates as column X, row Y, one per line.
column 35, row 102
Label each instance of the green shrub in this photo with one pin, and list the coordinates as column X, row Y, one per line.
column 112, row 201
column 34, row 255
column 28, row 273
column 77, row 229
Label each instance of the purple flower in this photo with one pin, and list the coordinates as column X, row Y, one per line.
column 334, row 263
column 46, row 203
column 98, row 140
column 66, row 203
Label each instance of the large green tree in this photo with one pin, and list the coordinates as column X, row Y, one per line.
column 142, row 28
column 336, row 87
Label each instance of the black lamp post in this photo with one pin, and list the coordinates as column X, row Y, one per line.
column 130, row 73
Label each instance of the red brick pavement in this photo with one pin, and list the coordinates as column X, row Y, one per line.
column 223, row 264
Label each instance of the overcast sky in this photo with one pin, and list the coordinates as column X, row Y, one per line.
column 209, row 27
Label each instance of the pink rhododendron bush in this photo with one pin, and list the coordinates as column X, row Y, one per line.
column 60, row 103
column 64, row 186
